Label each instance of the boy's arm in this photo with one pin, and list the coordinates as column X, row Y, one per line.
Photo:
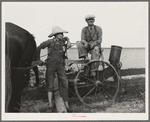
column 42, row 46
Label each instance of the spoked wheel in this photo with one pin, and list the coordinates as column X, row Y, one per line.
column 99, row 90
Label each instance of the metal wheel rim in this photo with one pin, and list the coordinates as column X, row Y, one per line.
column 76, row 80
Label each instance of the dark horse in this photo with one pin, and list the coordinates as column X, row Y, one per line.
column 35, row 69
column 20, row 48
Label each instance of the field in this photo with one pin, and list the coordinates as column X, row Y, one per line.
column 131, row 101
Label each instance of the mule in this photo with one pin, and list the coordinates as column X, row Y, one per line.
column 35, row 69
column 20, row 48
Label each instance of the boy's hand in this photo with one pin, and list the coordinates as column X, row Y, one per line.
column 66, row 38
column 41, row 63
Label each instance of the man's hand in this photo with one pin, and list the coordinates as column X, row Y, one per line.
column 92, row 45
column 87, row 46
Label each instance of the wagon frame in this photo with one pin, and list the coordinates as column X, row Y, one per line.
column 100, row 90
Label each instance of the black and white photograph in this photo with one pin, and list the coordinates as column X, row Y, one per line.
column 70, row 60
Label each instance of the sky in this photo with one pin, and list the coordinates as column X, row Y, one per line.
column 123, row 23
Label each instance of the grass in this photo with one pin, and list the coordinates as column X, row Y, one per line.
column 131, row 71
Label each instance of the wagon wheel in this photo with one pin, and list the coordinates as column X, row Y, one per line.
column 100, row 90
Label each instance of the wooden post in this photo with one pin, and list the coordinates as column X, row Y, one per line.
column 60, row 106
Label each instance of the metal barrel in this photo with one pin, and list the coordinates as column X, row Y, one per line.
column 115, row 53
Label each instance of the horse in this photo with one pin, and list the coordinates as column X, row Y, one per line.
column 35, row 69
column 19, row 51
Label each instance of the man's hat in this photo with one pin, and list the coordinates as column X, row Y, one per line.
column 56, row 30
column 89, row 16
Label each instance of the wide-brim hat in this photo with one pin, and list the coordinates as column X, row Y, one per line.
column 89, row 16
column 56, row 30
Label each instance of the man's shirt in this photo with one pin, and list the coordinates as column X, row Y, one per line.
column 94, row 34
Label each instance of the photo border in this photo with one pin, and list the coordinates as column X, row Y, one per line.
column 68, row 1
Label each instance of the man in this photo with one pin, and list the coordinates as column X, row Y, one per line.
column 56, row 63
column 91, row 39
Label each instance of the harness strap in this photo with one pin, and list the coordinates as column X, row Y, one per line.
column 65, row 52
column 24, row 68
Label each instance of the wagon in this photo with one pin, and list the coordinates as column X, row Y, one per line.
column 100, row 90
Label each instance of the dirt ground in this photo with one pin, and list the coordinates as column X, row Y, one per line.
column 131, row 101
column 34, row 100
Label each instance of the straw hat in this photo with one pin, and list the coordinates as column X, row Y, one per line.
column 89, row 16
column 56, row 30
